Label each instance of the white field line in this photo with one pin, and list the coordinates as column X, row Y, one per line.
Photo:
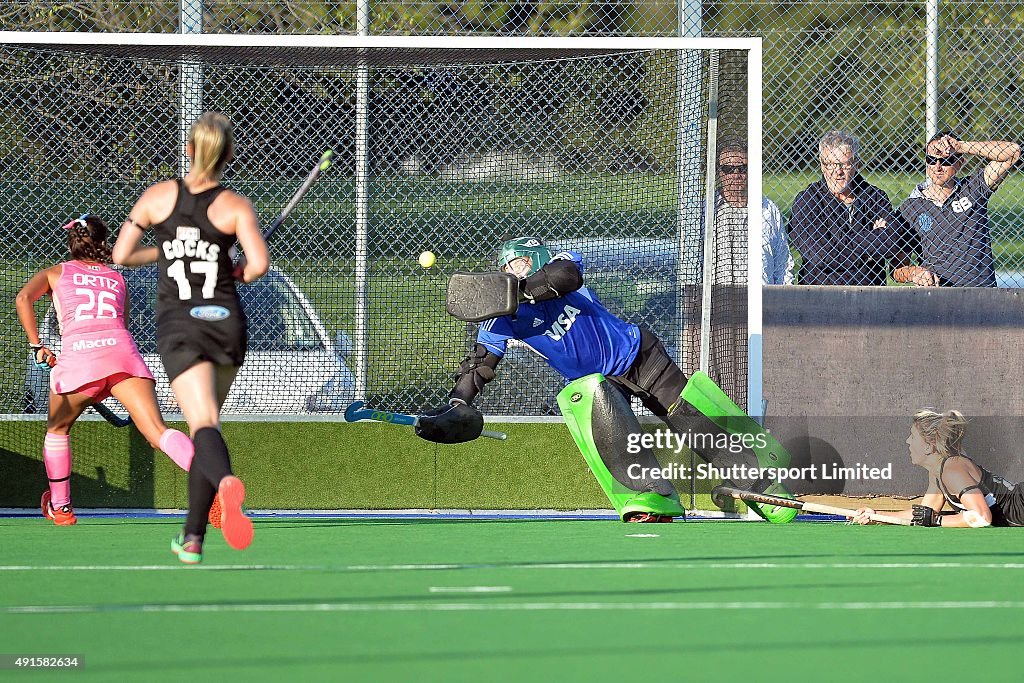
column 470, row 589
column 511, row 607
column 645, row 565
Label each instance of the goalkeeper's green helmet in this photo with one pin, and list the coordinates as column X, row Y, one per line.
column 524, row 246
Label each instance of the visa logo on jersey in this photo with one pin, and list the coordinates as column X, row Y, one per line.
column 565, row 320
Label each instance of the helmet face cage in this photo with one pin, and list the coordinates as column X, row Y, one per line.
column 524, row 246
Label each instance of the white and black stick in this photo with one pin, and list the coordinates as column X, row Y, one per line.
column 355, row 412
column 322, row 165
column 764, row 499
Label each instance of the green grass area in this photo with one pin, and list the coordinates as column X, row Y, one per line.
column 316, row 465
column 327, row 466
column 337, row 599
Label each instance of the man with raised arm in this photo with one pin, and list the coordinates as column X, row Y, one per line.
column 948, row 215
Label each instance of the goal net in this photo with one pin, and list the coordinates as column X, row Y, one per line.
column 449, row 145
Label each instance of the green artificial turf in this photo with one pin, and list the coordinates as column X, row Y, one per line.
column 443, row 600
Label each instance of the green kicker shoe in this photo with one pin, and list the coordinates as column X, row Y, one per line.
column 776, row 514
column 189, row 551
column 652, row 507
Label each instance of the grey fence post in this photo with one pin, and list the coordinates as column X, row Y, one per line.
column 688, row 162
column 931, row 67
column 191, row 21
column 709, row 217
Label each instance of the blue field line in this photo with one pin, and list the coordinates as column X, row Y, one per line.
column 485, row 515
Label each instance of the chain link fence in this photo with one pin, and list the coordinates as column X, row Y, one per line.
column 581, row 148
column 890, row 74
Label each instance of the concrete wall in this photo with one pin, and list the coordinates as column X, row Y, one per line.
column 846, row 367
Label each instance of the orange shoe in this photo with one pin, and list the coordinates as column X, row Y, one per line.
column 236, row 527
column 216, row 513
column 62, row 516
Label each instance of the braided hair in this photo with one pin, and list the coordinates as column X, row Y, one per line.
column 87, row 239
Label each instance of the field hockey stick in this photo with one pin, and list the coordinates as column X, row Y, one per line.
column 355, row 412
column 808, row 506
column 322, row 165
column 110, row 416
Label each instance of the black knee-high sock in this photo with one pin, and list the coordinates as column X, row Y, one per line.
column 200, row 499
column 210, row 464
column 211, row 458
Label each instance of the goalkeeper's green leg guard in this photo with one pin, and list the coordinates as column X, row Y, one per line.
column 600, row 420
column 705, row 396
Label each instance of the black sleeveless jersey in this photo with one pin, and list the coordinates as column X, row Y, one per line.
column 1005, row 499
column 195, row 267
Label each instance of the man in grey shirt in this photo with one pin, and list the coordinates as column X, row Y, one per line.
column 731, row 219
column 948, row 216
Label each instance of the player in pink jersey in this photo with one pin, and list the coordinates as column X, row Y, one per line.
column 98, row 357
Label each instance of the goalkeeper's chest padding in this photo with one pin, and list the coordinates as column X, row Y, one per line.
column 575, row 334
column 475, row 297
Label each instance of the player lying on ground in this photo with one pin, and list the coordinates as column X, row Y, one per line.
column 981, row 498
column 201, row 328
column 98, row 359
column 606, row 360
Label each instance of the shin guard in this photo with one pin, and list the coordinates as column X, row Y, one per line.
column 600, row 420
column 57, row 460
column 707, row 398
column 178, row 448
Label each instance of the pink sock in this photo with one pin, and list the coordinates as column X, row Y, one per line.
column 57, row 458
column 178, row 448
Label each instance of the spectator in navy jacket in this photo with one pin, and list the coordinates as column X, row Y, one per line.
column 844, row 228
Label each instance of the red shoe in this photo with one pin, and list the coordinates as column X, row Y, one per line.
column 236, row 527
column 216, row 513
column 648, row 518
column 62, row 516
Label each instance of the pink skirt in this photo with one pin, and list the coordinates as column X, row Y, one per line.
column 93, row 356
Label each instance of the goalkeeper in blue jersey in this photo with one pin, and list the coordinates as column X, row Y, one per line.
column 606, row 360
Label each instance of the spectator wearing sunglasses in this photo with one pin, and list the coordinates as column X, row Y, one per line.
column 731, row 218
column 844, row 227
column 948, row 216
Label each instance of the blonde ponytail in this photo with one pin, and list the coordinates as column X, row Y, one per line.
column 213, row 144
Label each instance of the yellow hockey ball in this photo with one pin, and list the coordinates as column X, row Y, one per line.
column 427, row 259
